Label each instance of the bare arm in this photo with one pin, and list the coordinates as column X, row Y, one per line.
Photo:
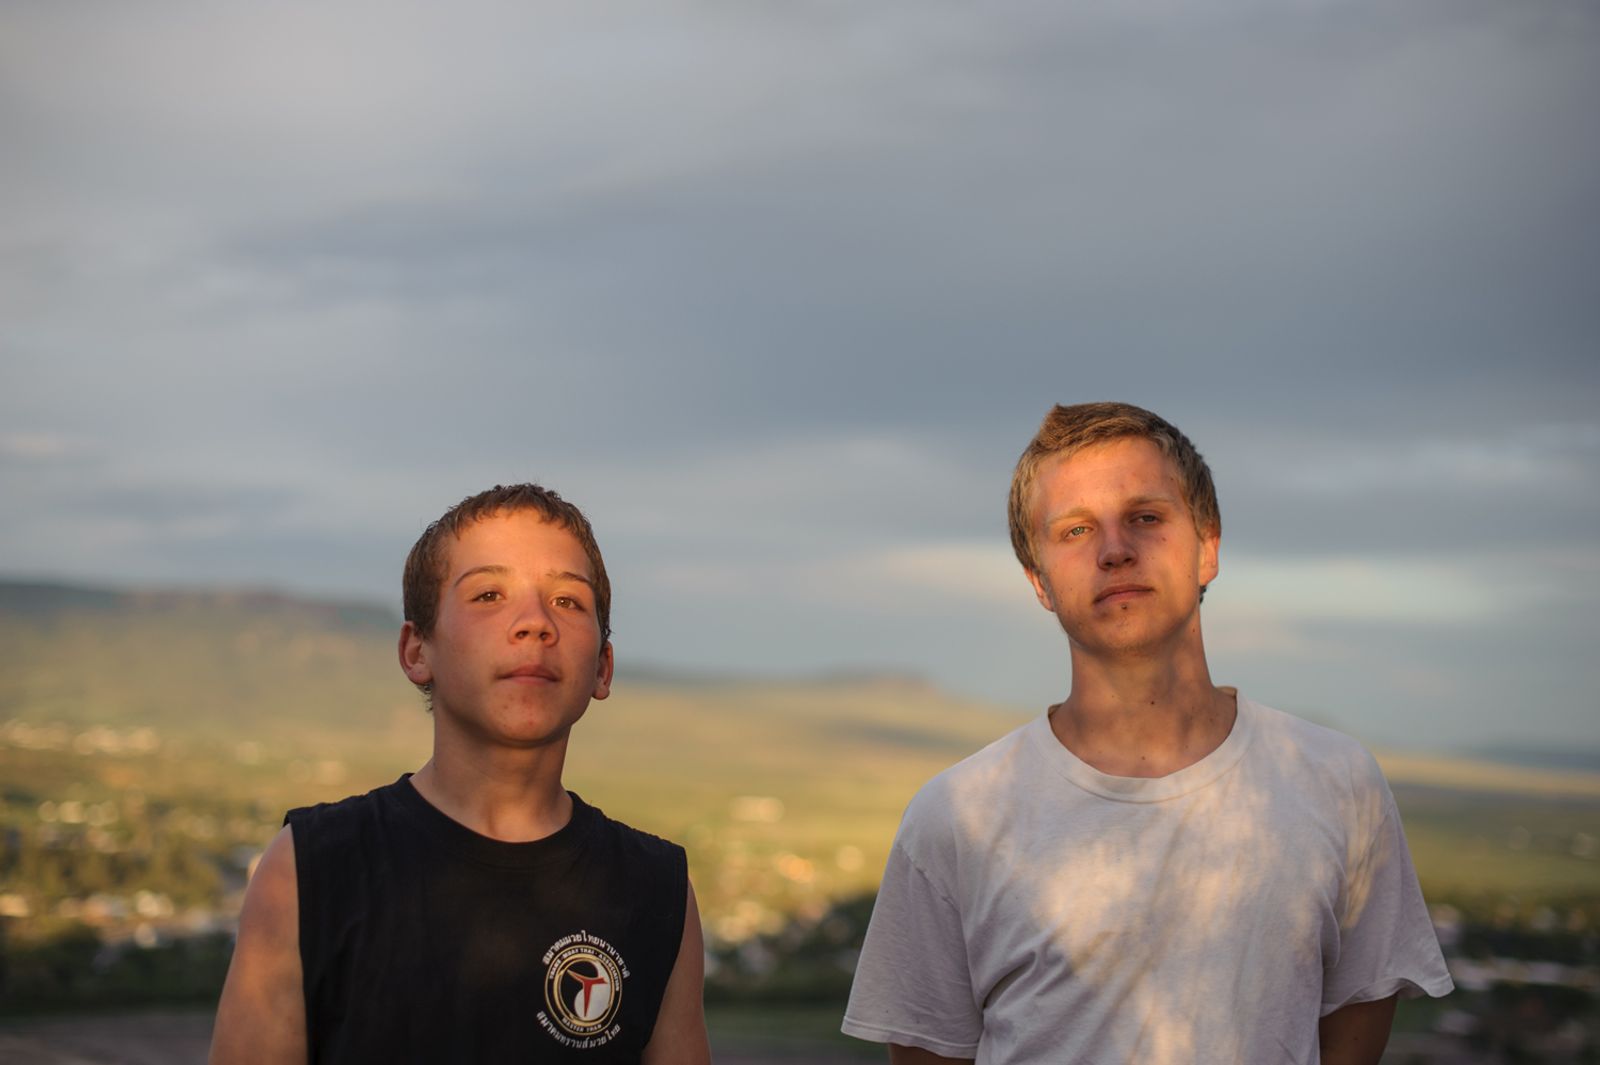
column 262, row 1017
column 899, row 1055
column 1356, row 1034
column 680, row 1033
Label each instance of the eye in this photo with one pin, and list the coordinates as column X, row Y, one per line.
column 1147, row 519
column 568, row 602
column 1076, row 530
column 488, row 596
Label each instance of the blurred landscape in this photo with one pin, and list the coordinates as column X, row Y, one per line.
column 150, row 743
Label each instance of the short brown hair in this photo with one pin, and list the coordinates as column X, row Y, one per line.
column 427, row 565
column 1069, row 429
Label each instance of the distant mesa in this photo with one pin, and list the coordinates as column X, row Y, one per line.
column 35, row 598
column 45, row 597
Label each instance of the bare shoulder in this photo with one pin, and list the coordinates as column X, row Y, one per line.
column 273, row 887
column 261, row 1017
column 680, row 1033
column 270, row 918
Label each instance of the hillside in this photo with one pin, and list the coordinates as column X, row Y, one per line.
column 220, row 710
column 190, row 721
column 232, row 664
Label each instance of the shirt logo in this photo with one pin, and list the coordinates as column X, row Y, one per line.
column 582, row 991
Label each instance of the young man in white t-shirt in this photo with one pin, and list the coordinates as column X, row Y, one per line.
column 1158, row 869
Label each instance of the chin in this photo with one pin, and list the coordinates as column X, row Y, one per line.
column 1124, row 641
column 532, row 738
column 542, row 726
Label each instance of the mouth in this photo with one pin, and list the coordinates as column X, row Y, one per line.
column 1119, row 592
column 531, row 675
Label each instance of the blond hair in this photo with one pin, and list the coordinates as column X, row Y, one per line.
column 1066, row 430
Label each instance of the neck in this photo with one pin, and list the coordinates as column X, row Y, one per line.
column 514, row 796
column 1143, row 716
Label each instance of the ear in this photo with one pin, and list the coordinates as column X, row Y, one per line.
column 602, row 680
column 414, row 656
column 1210, row 545
column 1041, row 590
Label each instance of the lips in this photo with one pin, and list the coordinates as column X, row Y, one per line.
column 531, row 673
column 1120, row 590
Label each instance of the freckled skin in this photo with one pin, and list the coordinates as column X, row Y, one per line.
column 1111, row 516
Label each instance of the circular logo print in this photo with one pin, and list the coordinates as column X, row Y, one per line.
column 583, row 988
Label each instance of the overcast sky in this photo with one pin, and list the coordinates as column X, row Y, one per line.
column 778, row 291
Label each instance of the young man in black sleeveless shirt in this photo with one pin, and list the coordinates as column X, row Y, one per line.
column 476, row 911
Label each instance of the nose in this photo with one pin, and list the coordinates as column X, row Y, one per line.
column 1116, row 548
column 534, row 623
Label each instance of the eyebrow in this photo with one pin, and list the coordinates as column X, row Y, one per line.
column 558, row 574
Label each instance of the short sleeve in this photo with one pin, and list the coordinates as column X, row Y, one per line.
column 911, row 984
column 1386, row 940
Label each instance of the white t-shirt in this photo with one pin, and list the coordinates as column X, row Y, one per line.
column 1035, row 909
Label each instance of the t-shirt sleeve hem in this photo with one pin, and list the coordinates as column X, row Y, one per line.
column 872, row 1033
column 1433, row 987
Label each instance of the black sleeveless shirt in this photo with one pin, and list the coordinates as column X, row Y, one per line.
column 422, row 941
